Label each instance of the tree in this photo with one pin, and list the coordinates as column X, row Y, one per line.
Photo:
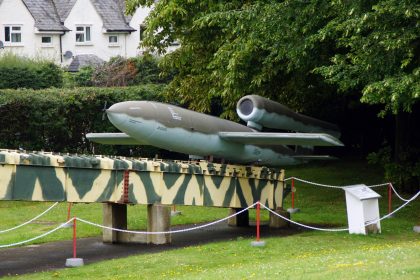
column 297, row 52
column 233, row 48
column 380, row 43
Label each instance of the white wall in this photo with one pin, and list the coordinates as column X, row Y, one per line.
column 15, row 12
column 48, row 51
column 133, row 40
column 84, row 13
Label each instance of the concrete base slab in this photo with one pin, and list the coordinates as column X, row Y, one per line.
column 128, row 237
column 114, row 216
column 175, row 213
column 158, row 220
column 293, row 210
column 74, row 262
column 240, row 220
column 258, row 243
column 278, row 222
column 416, row 229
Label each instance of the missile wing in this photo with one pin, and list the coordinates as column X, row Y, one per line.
column 113, row 139
column 271, row 138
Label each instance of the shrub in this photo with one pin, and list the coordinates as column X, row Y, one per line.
column 58, row 119
column 22, row 72
column 83, row 78
column 118, row 71
column 405, row 173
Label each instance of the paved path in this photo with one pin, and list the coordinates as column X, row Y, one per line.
column 50, row 256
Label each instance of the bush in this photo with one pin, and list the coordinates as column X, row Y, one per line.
column 118, row 71
column 21, row 72
column 58, row 119
column 148, row 70
column 83, row 78
column 405, row 173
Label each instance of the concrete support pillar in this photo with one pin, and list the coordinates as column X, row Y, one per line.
column 158, row 219
column 115, row 216
column 241, row 220
column 277, row 222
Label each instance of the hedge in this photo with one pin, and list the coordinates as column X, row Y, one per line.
column 22, row 72
column 58, row 119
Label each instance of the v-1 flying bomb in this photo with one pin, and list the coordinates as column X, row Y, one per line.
column 177, row 129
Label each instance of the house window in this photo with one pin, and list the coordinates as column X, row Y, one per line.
column 46, row 40
column 13, row 33
column 142, row 28
column 113, row 39
column 83, row 34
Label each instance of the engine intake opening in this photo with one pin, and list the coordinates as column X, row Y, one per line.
column 246, row 107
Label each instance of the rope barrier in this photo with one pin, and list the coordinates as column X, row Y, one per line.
column 344, row 229
column 167, row 232
column 302, row 225
column 341, row 187
column 395, row 211
column 329, row 186
column 33, row 219
column 203, row 226
column 396, row 193
column 37, row 237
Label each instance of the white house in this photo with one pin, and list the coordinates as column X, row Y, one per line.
column 71, row 32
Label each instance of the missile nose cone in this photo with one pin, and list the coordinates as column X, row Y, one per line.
column 116, row 108
column 116, row 114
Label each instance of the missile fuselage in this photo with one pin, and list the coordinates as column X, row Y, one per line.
column 177, row 129
column 260, row 112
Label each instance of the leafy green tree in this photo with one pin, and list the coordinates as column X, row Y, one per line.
column 233, row 48
column 379, row 43
column 301, row 53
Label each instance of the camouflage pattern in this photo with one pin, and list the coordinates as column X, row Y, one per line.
column 41, row 176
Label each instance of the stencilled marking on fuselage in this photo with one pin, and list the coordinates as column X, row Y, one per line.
column 174, row 114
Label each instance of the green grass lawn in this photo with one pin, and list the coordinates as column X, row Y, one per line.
column 393, row 254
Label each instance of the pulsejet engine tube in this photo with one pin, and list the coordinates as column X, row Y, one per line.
column 261, row 112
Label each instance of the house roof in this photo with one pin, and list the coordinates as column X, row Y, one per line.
column 64, row 7
column 45, row 15
column 112, row 14
column 83, row 60
column 49, row 15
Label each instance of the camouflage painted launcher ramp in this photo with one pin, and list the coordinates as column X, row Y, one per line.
column 41, row 176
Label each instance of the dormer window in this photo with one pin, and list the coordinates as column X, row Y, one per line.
column 13, row 33
column 83, row 34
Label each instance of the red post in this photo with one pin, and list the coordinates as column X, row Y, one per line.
column 258, row 221
column 126, row 184
column 69, row 211
column 389, row 198
column 293, row 193
column 74, row 237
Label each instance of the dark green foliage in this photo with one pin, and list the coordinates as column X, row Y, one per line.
column 319, row 57
column 405, row 173
column 20, row 72
column 83, row 78
column 148, row 70
column 58, row 119
column 287, row 49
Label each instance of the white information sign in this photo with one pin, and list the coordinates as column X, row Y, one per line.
column 362, row 209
